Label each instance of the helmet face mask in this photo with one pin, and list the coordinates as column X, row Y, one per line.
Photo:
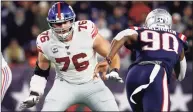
column 158, row 18
column 61, row 18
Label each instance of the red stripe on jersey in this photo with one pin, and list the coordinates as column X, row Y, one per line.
column 3, row 81
column 59, row 13
column 7, row 80
column 132, row 27
column 95, row 32
column 182, row 37
column 93, row 28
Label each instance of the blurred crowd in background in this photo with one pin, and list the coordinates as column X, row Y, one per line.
column 22, row 21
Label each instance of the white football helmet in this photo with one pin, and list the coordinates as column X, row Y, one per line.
column 158, row 18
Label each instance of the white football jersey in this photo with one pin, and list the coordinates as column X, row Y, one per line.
column 75, row 60
column 3, row 62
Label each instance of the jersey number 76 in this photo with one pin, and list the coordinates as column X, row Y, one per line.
column 79, row 66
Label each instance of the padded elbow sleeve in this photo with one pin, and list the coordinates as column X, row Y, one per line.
column 183, row 66
column 124, row 33
column 43, row 73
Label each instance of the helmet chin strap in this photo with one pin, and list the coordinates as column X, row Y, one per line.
column 62, row 37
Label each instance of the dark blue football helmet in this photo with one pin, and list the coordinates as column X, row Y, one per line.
column 61, row 12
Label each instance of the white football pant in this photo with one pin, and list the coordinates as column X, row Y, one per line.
column 95, row 94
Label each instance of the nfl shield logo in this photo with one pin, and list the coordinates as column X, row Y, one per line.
column 54, row 49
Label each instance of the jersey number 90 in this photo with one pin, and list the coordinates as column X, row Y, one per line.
column 165, row 41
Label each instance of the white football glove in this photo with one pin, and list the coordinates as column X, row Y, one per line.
column 114, row 75
column 32, row 100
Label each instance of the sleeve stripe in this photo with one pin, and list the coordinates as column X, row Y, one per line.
column 93, row 30
column 95, row 33
column 182, row 37
column 134, row 27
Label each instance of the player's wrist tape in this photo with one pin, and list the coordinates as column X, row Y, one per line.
column 115, row 70
column 38, row 84
column 108, row 60
column 34, row 93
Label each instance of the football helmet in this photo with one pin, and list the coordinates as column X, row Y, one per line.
column 158, row 18
column 61, row 12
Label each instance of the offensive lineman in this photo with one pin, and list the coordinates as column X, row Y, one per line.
column 72, row 47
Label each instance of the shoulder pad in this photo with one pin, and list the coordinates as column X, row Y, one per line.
column 135, row 27
column 41, row 40
column 183, row 38
column 87, row 26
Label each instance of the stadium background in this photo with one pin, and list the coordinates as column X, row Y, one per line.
column 22, row 21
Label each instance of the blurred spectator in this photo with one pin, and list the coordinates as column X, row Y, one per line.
column 14, row 53
column 177, row 24
column 7, row 16
column 32, row 52
column 82, row 7
column 22, row 28
column 138, row 12
column 102, row 27
column 159, row 4
column 41, row 15
column 176, row 7
column 189, row 34
column 117, row 21
column 94, row 15
column 125, row 56
column 82, row 16
column 188, row 17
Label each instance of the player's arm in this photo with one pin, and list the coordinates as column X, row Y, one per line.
column 127, row 36
column 41, row 72
column 38, row 81
column 102, row 47
column 180, row 67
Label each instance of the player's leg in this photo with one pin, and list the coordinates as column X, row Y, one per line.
column 60, row 97
column 5, row 80
column 156, row 96
column 98, row 97
column 136, row 82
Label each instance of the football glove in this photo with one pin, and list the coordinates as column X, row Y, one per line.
column 114, row 75
column 32, row 100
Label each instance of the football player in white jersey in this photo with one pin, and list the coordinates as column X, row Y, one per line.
column 6, row 77
column 72, row 47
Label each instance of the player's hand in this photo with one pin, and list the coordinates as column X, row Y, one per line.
column 32, row 100
column 101, row 67
column 114, row 75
